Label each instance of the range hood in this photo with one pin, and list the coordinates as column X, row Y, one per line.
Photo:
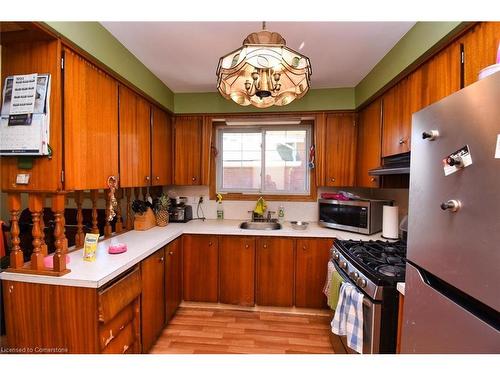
column 396, row 164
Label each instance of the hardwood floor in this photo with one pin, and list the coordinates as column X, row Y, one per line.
column 221, row 331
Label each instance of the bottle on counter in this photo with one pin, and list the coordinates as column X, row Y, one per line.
column 281, row 214
column 220, row 208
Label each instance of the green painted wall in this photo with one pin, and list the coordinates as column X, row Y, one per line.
column 100, row 43
column 96, row 40
column 314, row 100
column 415, row 43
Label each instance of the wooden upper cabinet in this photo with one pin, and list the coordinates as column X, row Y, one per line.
column 237, row 270
column 441, row 74
column 200, row 264
column 396, row 128
column 161, row 150
column 312, row 256
column 480, row 49
column 26, row 58
column 90, row 124
column 188, row 150
column 340, row 149
column 369, row 144
column 135, row 145
column 274, row 271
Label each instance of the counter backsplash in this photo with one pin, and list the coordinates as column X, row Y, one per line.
column 306, row 211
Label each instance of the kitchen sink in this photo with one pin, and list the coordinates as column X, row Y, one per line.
column 260, row 225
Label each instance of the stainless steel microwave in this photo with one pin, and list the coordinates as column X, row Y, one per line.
column 360, row 216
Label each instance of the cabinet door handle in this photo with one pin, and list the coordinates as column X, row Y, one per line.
column 332, row 179
column 193, row 178
column 304, row 247
column 170, row 253
column 247, row 246
column 157, row 178
column 162, row 259
column 147, row 178
column 373, row 179
column 265, row 246
column 210, row 243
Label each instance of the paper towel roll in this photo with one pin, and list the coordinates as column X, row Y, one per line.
column 390, row 222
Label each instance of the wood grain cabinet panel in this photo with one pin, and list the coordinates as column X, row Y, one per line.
column 340, row 149
column 90, row 124
column 188, row 132
column 275, row 271
column 153, row 298
column 237, row 270
column 26, row 58
column 369, row 145
column 135, row 145
column 161, row 148
column 312, row 257
column 173, row 279
column 200, row 264
column 480, row 49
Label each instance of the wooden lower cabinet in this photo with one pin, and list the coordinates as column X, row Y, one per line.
column 200, row 255
column 312, row 255
column 43, row 318
column 274, row 271
column 153, row 298
column 173, row 278
column 237, row 270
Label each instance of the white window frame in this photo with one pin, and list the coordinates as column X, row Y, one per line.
column 260, row 128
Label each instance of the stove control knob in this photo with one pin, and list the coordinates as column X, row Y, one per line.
column 361, row 283
column 356, row 275
column 336, row 256
column 343, row 264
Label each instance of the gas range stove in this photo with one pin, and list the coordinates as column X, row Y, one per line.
column 371, row 265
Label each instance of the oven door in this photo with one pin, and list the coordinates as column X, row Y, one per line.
column 353, row 216
column 372, row 318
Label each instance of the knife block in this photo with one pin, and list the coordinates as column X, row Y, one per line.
column 145, row 221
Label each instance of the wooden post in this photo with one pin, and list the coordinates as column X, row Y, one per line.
column 58, row 201
column 79, row 236
column 16, row 254
column 43, row 245
column 93, row 198
column 119, row 223
column 130, row 220
column 35, row 206
column 108, row 231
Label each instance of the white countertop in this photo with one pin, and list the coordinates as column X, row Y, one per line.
column 401, row 288
column 141, row 244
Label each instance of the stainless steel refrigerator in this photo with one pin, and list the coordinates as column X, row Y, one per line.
column 452, row 297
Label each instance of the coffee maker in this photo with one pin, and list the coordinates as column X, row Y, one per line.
column 179, row 211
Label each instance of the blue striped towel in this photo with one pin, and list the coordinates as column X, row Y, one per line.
column 348, row 318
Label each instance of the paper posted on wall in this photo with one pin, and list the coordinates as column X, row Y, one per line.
column 25, row 115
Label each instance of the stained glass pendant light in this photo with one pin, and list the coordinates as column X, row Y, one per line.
column 263, row 72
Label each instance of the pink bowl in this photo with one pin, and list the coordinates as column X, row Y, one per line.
column 117, row 248
column 48, row 261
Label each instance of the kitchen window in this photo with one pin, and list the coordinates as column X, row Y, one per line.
column 264, row 159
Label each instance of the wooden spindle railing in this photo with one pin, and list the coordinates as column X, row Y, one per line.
column 58, row 201
column 130, row 220
column 93, row 198
column 108, row 231
column 35, row 207
column 16, row 255
column 79, row 236
column 119, row 223
column 43, row 246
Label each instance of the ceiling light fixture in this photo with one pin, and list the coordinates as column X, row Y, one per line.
column 263, row 72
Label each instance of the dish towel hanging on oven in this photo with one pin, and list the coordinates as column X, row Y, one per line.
column 348, row 318
column 332, row 286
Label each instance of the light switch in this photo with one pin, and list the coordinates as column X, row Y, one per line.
column 23, row 178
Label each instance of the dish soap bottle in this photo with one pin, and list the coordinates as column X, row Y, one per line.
column 220, row 208
column 281, row 214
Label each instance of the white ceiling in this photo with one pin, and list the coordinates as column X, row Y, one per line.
column 184, row 55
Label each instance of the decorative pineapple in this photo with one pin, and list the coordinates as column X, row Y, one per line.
column 160, row 207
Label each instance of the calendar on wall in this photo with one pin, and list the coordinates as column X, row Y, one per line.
column 25, row 115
